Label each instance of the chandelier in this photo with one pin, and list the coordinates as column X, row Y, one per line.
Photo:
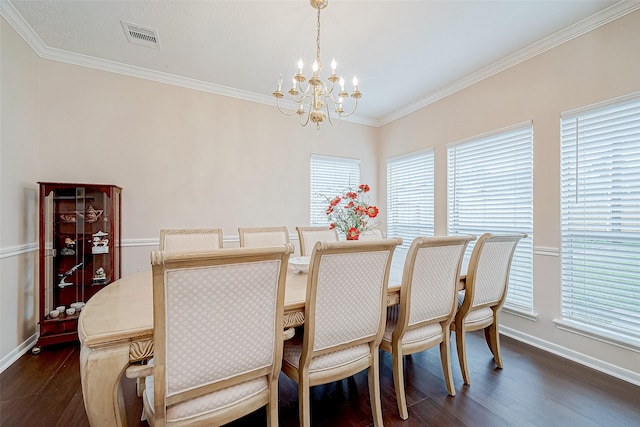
column 317, row 98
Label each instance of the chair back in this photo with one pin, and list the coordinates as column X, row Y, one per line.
column 308, row 237
column 488, row 273
column 190, row 239
column 346, row 294
column 256, row 237
column 218, row 320
column 430, row 280
column 373, row 234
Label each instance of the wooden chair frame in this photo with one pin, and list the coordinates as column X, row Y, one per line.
column 301, row 375
column 395, row 346
column 163, row 262
column 490, row 325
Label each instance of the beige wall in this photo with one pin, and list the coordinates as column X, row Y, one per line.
column 19, row 117
column 599, row 65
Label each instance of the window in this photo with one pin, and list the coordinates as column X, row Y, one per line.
column 490, row 190
column 600, row 219
column 329, row 177
column 410, row 197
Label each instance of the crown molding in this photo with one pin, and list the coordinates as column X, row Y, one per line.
column 612, row 13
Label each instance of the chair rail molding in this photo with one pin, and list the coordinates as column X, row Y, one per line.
column 546, row 251
column 12, row 251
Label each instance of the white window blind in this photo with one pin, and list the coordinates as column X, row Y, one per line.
column 490, row 190
column 329, row 176
column 410, row 197
column 601, row 217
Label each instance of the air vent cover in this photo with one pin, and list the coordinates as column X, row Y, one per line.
column 140, row 35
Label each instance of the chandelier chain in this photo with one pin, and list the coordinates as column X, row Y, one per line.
column 318, row 39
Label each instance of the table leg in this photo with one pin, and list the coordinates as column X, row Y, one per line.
column 100, row 372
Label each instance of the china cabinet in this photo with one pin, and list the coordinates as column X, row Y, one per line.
column 79, row 253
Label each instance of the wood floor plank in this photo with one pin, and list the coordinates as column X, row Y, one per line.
column 535, row 388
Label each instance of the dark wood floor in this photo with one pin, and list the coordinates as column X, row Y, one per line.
column 534, row 389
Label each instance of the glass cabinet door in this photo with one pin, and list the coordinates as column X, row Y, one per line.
column 79, row 253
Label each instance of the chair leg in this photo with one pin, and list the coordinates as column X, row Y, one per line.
column 445, row 359
column 272, row 407
column 492, row 336
column 398, row 381
column 374, row 389
column 462, row 353
column 140, row 386
column 304, row 401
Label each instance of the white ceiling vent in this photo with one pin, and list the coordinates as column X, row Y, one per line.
column 140, row 35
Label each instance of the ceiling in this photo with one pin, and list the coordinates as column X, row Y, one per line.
column 406, row 54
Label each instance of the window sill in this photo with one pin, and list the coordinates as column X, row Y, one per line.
column 525, row 314
column 600, row 334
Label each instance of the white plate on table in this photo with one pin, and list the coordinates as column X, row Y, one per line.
column 300, row 264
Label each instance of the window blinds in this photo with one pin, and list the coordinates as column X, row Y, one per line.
column 490, row 190
column 600, row 217
column 329, row 176
column 410, row 197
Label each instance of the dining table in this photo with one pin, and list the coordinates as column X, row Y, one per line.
column 116, row 330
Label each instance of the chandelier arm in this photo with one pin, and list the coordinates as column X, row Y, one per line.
column 306, row 90
column 282, row 111
column 306, row 121
column 352, row 111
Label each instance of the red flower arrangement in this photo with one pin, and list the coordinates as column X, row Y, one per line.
column 351, row 213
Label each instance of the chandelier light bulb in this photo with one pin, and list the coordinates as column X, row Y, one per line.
column 280, row 83
column 315, row 66
column 341, row 84
column 355, row 82
column 333, row 66
column 300, row 65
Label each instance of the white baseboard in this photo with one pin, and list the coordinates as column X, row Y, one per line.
column 17, row 352
column 574, row 356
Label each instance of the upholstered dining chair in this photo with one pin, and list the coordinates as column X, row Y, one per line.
column 255, row 237
column 204, row 371
column 428, row 303
column 308, row 236
column 344, row 319
column 480, row 303
column 373, row 234
column 190, row 239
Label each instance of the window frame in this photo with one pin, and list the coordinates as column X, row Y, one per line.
column 599, row 204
